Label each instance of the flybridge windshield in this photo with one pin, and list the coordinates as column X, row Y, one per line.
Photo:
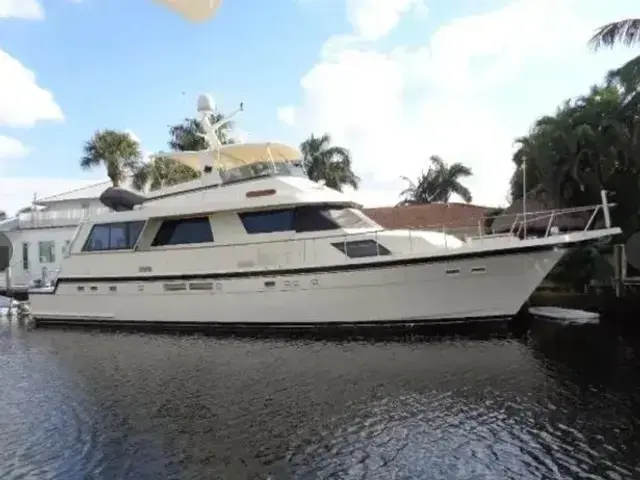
column 261, row 169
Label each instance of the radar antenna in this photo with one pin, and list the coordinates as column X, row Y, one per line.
column 206, row 108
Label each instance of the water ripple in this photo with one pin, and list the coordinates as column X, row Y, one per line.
column 93, row 405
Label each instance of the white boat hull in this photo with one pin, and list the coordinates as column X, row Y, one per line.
column 495, row 284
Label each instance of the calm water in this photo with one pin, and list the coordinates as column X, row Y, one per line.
column 557, row 402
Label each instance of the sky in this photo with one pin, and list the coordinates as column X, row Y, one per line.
column 395, row 81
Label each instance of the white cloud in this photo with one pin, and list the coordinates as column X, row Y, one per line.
column 374, row 19
column 287, row 115
column 11, row 148
column 25, row 9
column 22, row 101
column 477, row 84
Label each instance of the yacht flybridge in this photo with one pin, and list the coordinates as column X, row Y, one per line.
column 254, row 242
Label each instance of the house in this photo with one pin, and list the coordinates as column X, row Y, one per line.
column 41, row 234
column 459, row 219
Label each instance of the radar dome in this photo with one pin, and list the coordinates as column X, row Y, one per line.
column 205, row 103
column 193, row 10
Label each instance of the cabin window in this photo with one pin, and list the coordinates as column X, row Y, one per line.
column 47, row 251
column 268, row 222
column 361, row 248
column 113, row 236
column 183, row 231
column 314, row 219
column 310, row 218
column 25, row 257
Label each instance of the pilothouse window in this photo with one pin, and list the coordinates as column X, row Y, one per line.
column 113, row 236
column 183, row 231
column 268, row 222
column 309, row 218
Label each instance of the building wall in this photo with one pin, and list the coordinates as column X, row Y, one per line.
column 37, row 253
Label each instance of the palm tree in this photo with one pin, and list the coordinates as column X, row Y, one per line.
column 189, row 135
column 162, row 172
column 591, row 143
column 117, row 151
column 438, row 184
column 626, row 32
column 327, row 163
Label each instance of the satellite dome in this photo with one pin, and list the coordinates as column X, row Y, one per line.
column 205, row 103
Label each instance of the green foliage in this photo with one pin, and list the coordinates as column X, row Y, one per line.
column 330, row 164
column 591, row 143
column 162, row 172
column 625, row 31
column 579, row 267
column 438, row 184
column 117, row 151
column 186, row 136
column 189, row 135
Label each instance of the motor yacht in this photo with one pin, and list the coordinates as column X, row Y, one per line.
column 254, row 242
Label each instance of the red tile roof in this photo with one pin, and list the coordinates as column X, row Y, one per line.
column 428, row 215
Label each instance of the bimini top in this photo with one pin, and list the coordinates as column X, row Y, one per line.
column 193, row 10
column 233, row 156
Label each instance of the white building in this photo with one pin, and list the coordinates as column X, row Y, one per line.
column 40, row 236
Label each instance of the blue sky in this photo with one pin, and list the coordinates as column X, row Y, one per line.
column 393, row 80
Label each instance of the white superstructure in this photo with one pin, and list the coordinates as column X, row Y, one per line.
column 254, row 242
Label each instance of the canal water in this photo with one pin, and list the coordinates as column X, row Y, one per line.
column 551, row 402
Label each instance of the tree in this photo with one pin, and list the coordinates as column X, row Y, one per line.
column 189, row 135
column 186, row 136
column 626, row 32
column 591, row 143
column 162, row 172
column 438, row 184
column 3, row 215
column 330, row 164
column 117, row 151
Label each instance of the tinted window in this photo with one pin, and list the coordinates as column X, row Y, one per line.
column 300, row 219
column 113, row 236
column 184, row 231
column 313, row 219
column 267, row 222
column 361, row 248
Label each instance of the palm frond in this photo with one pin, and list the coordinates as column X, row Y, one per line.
column 625, row 31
